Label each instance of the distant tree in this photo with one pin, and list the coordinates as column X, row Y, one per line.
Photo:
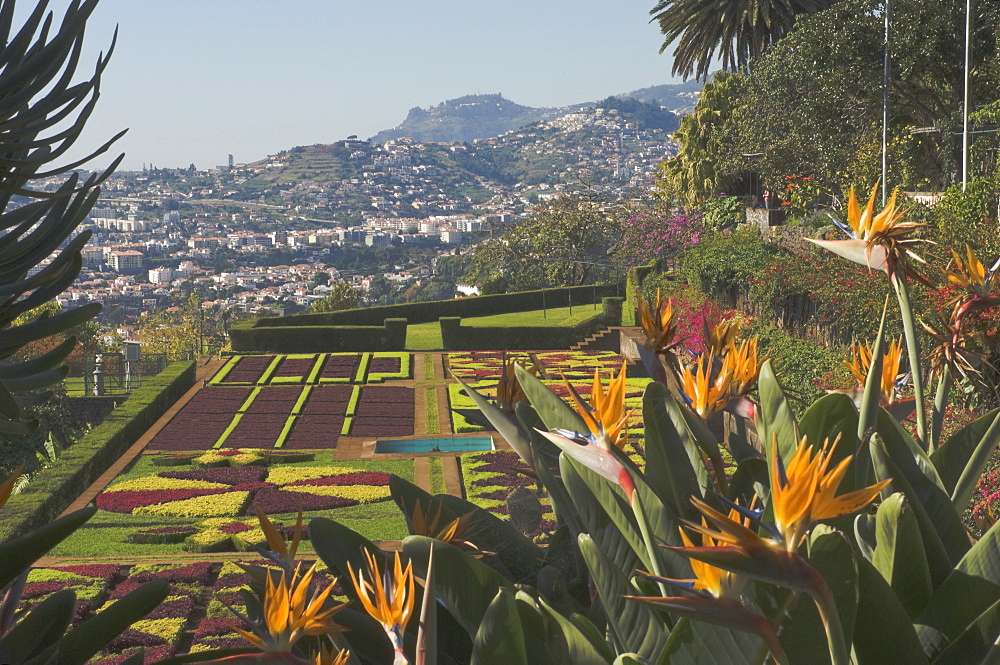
column 321, row 277
column 342, row 296
column 176, row 332
column 566, row 243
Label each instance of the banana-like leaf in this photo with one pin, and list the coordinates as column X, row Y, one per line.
column 961, row 459
column 593, row 635
column 899, row 554
column 630, row 659
column 504, row 424
column 883, row 633
column 340, row 547
column 500, row 637
column 775, row 419
column 828, row 418
column 465, row 585
column 43, row 625
column 19, row 553
column 971, row 590
column 865, row 536
column 634, row 626
column 18, row 428
column 84, row 642
column 973, row 645
column 426, row 651
column 606, row 516
column 42, row 363
column 802, row 632
column 869, row 407
column 562, row 506
column 567, row 642
column 915, row 468
column 750, row 479
column 938, row 558
column 674, row 467
column 554, row 412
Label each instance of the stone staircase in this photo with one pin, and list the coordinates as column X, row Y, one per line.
column 606, row 339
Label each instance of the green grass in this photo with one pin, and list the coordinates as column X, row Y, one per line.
column 436, row 472
column 428, row 367
column 427, row 336
column 560, row 316
column 431, row 402
column 424, row 336
column 106, row 533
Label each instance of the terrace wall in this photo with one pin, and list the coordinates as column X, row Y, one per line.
column 54, row 488
column 317, row 338
column 428, row 312
column 457, row 337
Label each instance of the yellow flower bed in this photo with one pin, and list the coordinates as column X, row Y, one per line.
column 157, row 483
column 212, row 505
column 360, row 493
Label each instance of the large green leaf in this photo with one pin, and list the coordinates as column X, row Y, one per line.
column 466, row 586
column 978, row 643
column 633, row 626
column 694, row 642
column 18, row 554
column 43, row 625
column 606, row 515
column 674, row 467
column 42, row 363
column 971, row 589
column 961, row 459
column 341, row 548
column 500, row 637
column 916, row 469
column 504, row 424
column 775, row 418
column 14, row 338
column 567, row 642
column 84, row 642
column 883, row 634
column 869, row 407
column 828, row 418
column 554, row 412
column 899, row 554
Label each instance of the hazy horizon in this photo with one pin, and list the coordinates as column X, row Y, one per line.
column 195, row 82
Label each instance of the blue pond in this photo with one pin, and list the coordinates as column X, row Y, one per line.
column 449, row 445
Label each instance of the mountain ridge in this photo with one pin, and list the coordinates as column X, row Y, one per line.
column 483, row 116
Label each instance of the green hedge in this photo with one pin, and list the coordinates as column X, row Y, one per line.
column 428, row 312
column 457, row 337
column 56, row 487
column 636, row 275
column 390, row 336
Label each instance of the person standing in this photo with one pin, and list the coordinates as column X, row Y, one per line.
column 769, row 199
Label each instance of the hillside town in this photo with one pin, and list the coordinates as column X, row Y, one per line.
column 252, row 237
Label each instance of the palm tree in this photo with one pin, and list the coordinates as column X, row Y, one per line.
column 734, row 31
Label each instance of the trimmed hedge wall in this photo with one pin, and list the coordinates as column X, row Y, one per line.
column 428, row 312
column 391, row 336
column 636, row 275
column 457, row 337
column 56, row 487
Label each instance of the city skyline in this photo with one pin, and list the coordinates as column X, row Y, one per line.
column 195, row 82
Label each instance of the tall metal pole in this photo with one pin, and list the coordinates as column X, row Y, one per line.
column 885, row 107
column 965, row 105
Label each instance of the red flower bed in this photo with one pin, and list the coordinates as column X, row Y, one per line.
column 385, row 366
column 325, row 394
column 105, row 571
column 380, row 428
column 340, row 367
column 127, row 501
column 248, row 369
column 273, row 501
column 202, row 573
column 507, row 480
column 231, row 475
column 275, row 400
column 212, row 398
column 386, row 394
column 295, row 367
column 314, row 432
column 179, row 608
column 34, row 590
column 234, row 527
column 376, row 478
column 256, row 430
column 193, row 430
column 217, row 627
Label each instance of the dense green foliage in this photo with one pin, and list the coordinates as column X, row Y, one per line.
column 263, row 338
column 79, row 465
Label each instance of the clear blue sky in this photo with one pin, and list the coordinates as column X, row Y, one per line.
column 197, row 80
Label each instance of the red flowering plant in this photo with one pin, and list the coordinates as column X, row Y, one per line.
column 801, row 194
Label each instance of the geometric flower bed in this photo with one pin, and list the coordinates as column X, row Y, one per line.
column 321, row 419
column 240, row 490
column 480, row 365
column 201, row 421
column 578, row 364
column 491, row 476
column 315, row 368
column 384, row 411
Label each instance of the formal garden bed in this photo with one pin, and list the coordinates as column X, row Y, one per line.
column 490, row 477
column 316, row 368
column 166, row 504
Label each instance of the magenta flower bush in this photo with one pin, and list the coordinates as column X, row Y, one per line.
column 657, row 233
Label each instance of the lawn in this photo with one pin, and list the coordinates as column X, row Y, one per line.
column 427, row 336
